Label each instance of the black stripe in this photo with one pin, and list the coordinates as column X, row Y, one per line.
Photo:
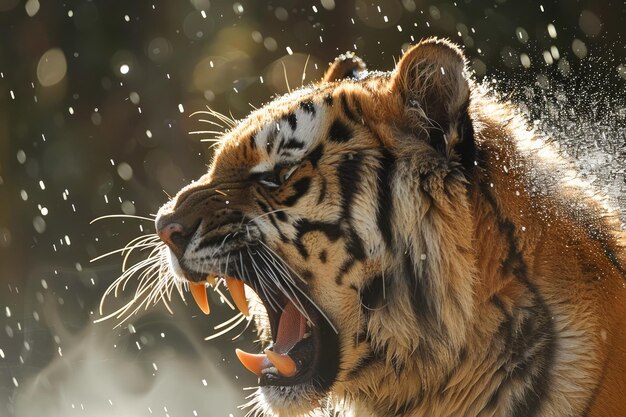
column 322, row 195
column 372, row 294
column 344, row 269
column 293, row 121
column 293, row 143
column 354, row 245
column 349, row 173
column 366, row 361
column 323, row 256
column 505, row 328
column 218, row 239
column 606, row 240
column 328, row 100
column 417, row 289
column 281, row 143
column 281, row 216
column 252, row 141
column 315, row 155
column 347, row 110
column 539, row 364
column 384, row 215
column 331, row 230
column 301, row 187
column 532, row 343
column 466, row 147
column 271, row 139
column 308, row 107
column 268, row 211
column 339, row 132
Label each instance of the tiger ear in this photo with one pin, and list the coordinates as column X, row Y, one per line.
column 431, row 81
column 346, row 65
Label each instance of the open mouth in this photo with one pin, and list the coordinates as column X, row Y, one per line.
column 304, row 347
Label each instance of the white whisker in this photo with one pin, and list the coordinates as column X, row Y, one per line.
column 265, row 214
column 113, row 252
column 124, row 216
column 228, row 329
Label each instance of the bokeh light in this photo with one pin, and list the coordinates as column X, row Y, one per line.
column 97, row 102
column 52, row 67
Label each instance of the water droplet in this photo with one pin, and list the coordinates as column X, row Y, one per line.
column 328, row 4
column 125, row 171
column 21, row 156
column 32, row 7
column 579, row 48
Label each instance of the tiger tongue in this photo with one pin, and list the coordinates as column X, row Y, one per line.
column 291, row 329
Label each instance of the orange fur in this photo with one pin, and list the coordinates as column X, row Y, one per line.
column 500, row 288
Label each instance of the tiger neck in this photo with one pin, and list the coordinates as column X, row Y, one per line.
column 508, row 335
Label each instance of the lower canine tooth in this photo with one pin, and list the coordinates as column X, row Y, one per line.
column 284, row 364
column 198, row 291
column 253, row 363
column 238, row 292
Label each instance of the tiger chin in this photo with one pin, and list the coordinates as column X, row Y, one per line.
column 408, row 248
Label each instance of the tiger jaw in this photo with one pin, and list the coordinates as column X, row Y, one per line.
column 295, row 355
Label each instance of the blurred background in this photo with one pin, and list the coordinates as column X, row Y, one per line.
column 97, row 102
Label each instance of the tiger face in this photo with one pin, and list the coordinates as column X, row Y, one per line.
column 303, row 214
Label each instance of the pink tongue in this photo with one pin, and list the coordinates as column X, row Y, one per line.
column 291, row 329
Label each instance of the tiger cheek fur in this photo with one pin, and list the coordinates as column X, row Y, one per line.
column 386, row 229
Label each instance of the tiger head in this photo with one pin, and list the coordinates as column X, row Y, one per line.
column 337, row 216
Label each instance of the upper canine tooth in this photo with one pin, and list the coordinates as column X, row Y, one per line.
column 284, row 364
column 238, row 292
column 198, row 291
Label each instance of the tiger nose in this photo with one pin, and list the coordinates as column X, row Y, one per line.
column 174, row 236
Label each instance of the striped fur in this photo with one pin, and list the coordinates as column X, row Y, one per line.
column 466, row 271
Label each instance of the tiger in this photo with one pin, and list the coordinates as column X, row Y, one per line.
column 408, row 245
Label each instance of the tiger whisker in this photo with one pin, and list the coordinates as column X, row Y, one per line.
column 285, row 74
column 268, row 294
column 304, row 294
column 158, row 250
column 203, row 132
column 228, row 303
column 265, row 214
column 228, row 329
column 292, row 296
column 125, row 216
column 122, row 250
column 306, row 63
column 211, row 122
column 227, row 322
column 229, row 121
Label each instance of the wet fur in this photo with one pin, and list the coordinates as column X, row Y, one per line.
column 471, row 273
